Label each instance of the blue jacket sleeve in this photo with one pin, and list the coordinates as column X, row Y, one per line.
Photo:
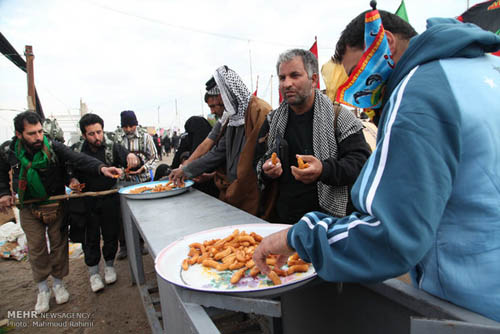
column 400, row 195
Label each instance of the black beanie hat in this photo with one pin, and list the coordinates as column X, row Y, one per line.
column 128, row 118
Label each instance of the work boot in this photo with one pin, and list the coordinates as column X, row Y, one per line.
column 61, row 294
column 42, row 302
column 122, row 253
column 96, row 283
column 109, row 275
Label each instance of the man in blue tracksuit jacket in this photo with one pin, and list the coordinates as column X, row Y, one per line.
column 428, row 198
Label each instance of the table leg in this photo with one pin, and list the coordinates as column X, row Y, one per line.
column 180, row 317
column 133, row 246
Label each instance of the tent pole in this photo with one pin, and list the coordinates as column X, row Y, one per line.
column 31, row 77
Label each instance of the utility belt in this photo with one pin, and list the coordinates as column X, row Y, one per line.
column 47, row 213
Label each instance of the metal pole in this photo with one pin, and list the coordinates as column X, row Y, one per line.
column 201, row 99
column 271, row 90
column 177, row 121
column 257, row 85
column 250, row 58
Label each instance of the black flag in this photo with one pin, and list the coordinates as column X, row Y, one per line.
column 485, row 14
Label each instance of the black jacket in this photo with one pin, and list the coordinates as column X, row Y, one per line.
column 53, row 178
column 99, row 183
column 197, row 129
column 353, row 152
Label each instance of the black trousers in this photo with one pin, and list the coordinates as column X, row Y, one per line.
column 103, row 218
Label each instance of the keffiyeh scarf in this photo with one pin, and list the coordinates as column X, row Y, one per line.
column 235, row 95
column 333, row 199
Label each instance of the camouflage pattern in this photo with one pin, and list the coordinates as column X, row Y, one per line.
column 109, row 140
column 52, row 130
column 4, row 149
column 119, row 133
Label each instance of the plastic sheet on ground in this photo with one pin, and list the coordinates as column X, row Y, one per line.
column 13, row 243
column 75, row 250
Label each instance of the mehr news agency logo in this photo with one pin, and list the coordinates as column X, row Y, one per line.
column 23, row 319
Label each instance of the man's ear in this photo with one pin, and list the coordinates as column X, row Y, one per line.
column 19, row 135
column 391, row 39
column 315, row 78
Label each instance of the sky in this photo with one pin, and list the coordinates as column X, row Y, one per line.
column 154, row 56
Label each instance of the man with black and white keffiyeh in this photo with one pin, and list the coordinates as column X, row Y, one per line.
column 233, row 152
column 307, row 126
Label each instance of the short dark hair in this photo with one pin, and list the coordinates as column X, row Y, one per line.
column 207, row 96
column 308, row 59
column 354, row 33
column 29, row 117
column 89, row 119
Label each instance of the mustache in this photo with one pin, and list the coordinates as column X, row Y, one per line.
column 37, row 145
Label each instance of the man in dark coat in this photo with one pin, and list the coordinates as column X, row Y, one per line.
column 38, row 165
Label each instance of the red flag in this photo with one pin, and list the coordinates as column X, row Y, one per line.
column 256, row 87
column 314, row 50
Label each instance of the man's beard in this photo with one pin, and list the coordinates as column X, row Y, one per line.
column 298, row 99
column 97, row 144
column 34, row 147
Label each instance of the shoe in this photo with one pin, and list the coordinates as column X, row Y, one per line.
column 61, row 294
column 96, row 283
column 122, row 253
column 109, row 275
column 42, row 302
column 144, row 250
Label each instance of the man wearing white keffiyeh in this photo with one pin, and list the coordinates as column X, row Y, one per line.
column 233, row 152
column 307, row 126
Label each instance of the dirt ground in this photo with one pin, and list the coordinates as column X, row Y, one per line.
column 116, row 309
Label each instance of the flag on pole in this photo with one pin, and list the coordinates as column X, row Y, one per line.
column 486, row 15
column 333, row 76
column 314, row 50
column 8, row 51
column 256, row 87
column 401, row 12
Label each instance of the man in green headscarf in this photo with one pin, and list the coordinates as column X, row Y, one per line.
column 38, row 165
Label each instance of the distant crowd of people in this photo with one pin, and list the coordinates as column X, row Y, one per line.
column 425, row 201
